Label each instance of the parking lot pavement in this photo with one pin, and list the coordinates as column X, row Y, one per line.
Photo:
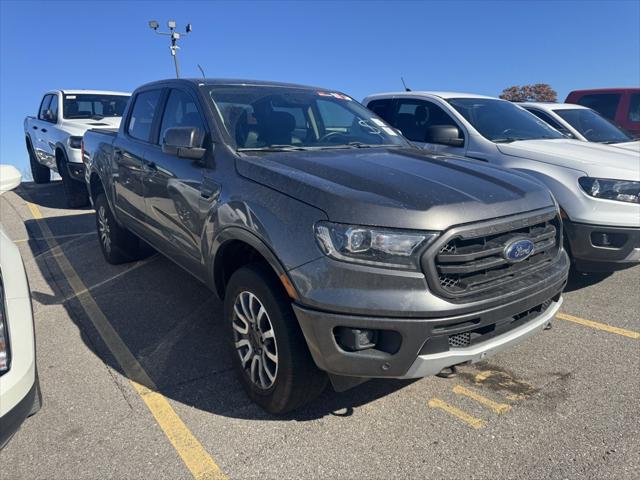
column 163, row 403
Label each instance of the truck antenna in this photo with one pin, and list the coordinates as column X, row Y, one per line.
column 406, row 89
column 175, row 36
column 201, row 71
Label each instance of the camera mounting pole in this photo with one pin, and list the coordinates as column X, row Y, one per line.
column 175, row 36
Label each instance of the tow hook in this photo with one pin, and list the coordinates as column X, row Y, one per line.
column 448, row 372
column 548, row 326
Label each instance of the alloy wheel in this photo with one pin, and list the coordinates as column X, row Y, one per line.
column 255, row 340
column 103, row 229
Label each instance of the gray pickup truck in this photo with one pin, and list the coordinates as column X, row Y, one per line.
column 341, row 251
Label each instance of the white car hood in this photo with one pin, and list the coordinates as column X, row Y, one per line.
column 633, row 146
column 595, row 160
column 81, row 125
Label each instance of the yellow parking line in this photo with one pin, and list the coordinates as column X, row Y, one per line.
column 69, row 235
column 599, row 326
column 456, row 412
column 495, row 406
column 193, row 454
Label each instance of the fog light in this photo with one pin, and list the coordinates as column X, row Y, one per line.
column 355, row 339
column 608, row 239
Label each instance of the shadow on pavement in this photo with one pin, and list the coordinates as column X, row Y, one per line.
column 579, row 280
column 169, row 321
column 48, row 195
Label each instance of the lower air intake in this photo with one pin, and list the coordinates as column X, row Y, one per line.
column 460, row 340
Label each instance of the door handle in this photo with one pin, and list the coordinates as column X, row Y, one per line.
column 43, row 130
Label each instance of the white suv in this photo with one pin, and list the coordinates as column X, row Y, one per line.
column 582, row 123
column 596, row 186
column 54, row 137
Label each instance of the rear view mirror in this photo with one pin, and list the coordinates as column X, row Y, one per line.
column 10, row 178
column 444, row 135
column 184, row 142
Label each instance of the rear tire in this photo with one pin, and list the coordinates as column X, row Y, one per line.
column 269, row 352
column 118, row 244
column 75, row 192
column 40, row 173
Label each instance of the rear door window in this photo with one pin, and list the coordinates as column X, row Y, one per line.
column 142, row 114
column 604, row 103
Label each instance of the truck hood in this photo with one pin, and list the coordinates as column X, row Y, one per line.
column 633, row 146
column 77, row 127
column 594, row 159
column 402, row 188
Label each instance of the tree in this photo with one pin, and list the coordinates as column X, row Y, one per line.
column 538, row 92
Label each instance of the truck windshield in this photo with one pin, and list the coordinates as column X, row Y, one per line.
column 282, row 118
column 593, row 126
column 501, row 121
column 94, row 106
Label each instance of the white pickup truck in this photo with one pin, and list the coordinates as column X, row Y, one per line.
column 54, row 137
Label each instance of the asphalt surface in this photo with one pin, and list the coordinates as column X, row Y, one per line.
column 564, row 404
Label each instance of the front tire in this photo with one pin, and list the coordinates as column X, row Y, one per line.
column 118, row 244
column 40, row 173
column 75, row 192
column 270, row 354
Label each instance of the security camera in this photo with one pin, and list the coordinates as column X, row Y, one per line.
column 188, row 28
column 171, row 24
column 153, row 24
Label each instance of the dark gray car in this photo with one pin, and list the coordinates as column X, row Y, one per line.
column 340, row 250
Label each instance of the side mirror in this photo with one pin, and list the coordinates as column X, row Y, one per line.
column 10, row 178
column 183, row 142
column 48, row 116
column 444, row 135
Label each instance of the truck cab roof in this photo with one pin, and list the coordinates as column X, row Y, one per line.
column 88, row 92
column 229, row 81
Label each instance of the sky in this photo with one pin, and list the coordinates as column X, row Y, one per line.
column 358, row 47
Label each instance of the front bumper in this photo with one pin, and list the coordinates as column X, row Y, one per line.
column 11, row 421
column 600, row 247
column 76, row 171
column 417, row 346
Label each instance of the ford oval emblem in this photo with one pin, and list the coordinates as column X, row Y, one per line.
column 518, row 250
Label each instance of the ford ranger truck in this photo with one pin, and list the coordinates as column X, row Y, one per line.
column 54, row 136
column 597, row 186
column 340, row 250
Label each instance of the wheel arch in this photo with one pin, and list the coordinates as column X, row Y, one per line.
column 60, row 154
column 236, row 247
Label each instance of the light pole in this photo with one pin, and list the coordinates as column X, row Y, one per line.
column 175, row 36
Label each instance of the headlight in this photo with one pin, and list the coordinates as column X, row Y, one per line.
column 620, row 190
column 75, row 142
column 4, row 336
column 371, row 245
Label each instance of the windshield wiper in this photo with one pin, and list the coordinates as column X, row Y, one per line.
column 273, row 148
column 359, row 145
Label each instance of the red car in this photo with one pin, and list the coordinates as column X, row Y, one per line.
column 620, row 105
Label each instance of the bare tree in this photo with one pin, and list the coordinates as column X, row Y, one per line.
column 538, row 92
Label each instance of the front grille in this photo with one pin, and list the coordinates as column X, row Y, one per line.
column 470, row 261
